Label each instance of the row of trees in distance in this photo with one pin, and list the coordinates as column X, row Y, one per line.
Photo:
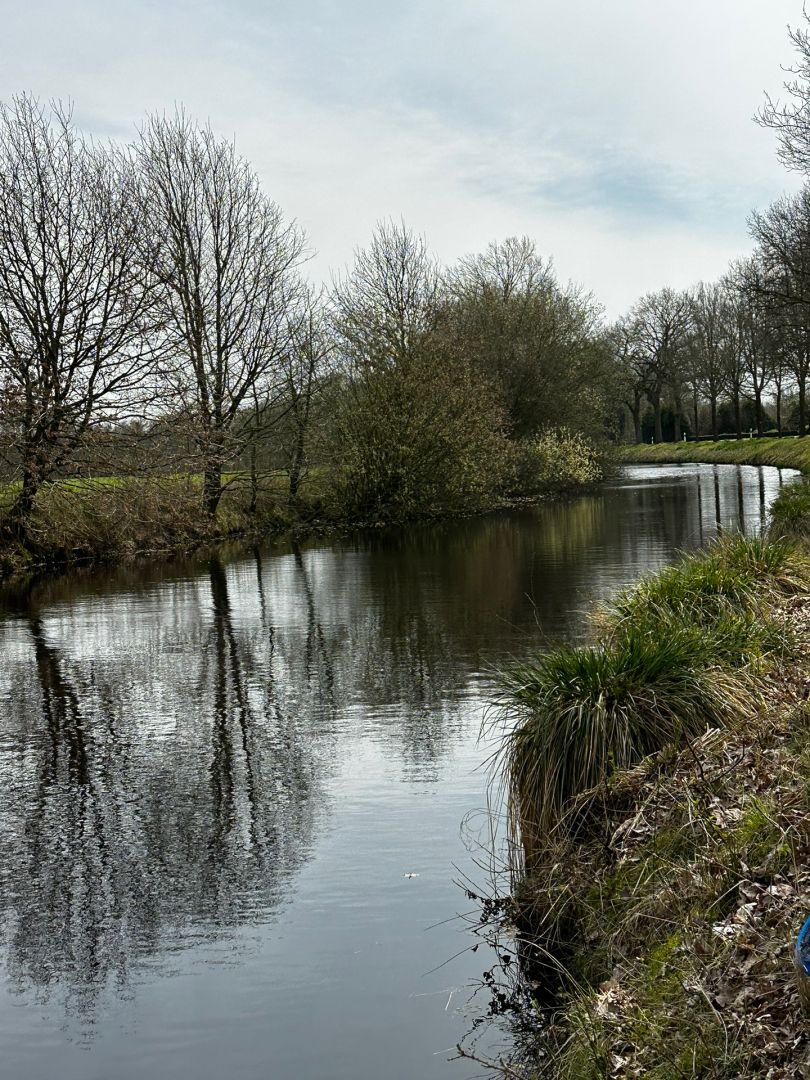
column 730, row 356
column 734, row 355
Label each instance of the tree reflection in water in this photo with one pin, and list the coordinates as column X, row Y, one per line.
column 172, row 739
column 127, row 829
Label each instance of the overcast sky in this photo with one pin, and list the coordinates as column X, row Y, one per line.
column 616, row 133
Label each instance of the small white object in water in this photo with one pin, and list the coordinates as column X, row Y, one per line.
column 410, row 875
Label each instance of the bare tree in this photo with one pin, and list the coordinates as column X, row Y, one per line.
column 75, row 347
column 633, row 370
column 305, row 368
column 780, row 371
column 782, row 284
column 746, row 278
column 660, row 326
column 225, row 261
column 790, row 119
column 734, row 350
column 708, row 342
column 387, row 304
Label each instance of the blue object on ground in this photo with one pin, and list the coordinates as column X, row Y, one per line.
column 801, row 959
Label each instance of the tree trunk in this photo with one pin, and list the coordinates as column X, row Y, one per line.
column 24, row 503
column 212, row 487
column 659, row 438
column 32, row 472
column 254, row 480
column 802, row 402
column 695, row 410
column 758, row 407
column 713, row 402
column 296, row 465
column 737, row 413
column 636, row 412
column 779, row 411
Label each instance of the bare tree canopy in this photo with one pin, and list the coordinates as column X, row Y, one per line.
column 660, row 323
column 306, row 370
column 709, row 345
column 512, row 268
column 387, row 304
column 790, row 119
column 225, row 262
column 75, row 310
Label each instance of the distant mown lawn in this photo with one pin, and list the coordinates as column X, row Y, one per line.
column 790, row 452
column 272, row 483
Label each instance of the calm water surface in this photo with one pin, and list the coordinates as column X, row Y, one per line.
column 216, row 775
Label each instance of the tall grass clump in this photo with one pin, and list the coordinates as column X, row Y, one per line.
column 575, row 715
column 728, row 639
column 735, row 574
column 680, row 653
column 790, row 513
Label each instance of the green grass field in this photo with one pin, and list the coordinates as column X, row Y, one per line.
column 788, row 453
column 272, row 482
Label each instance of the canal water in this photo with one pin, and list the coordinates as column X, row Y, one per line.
column 232, row 790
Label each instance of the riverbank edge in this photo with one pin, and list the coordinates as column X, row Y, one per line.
column 280, row 524
column 680, row 903
column 789, row 452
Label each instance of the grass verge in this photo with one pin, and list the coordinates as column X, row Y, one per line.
column 118, row 518
column 791, row 452
column 659, row 787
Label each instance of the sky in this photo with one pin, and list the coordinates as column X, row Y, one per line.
column 618, row 135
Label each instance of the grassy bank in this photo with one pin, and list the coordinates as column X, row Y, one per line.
column 119, row 518
column 103, row 519
column 787, row 453
column 659, row 790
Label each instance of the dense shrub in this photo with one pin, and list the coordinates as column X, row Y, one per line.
column 554, row 462
column 422, row 437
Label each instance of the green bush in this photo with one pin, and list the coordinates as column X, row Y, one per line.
column 419, row 438
column 554, row 462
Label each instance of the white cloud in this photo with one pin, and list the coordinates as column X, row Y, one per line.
column 618, row 135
